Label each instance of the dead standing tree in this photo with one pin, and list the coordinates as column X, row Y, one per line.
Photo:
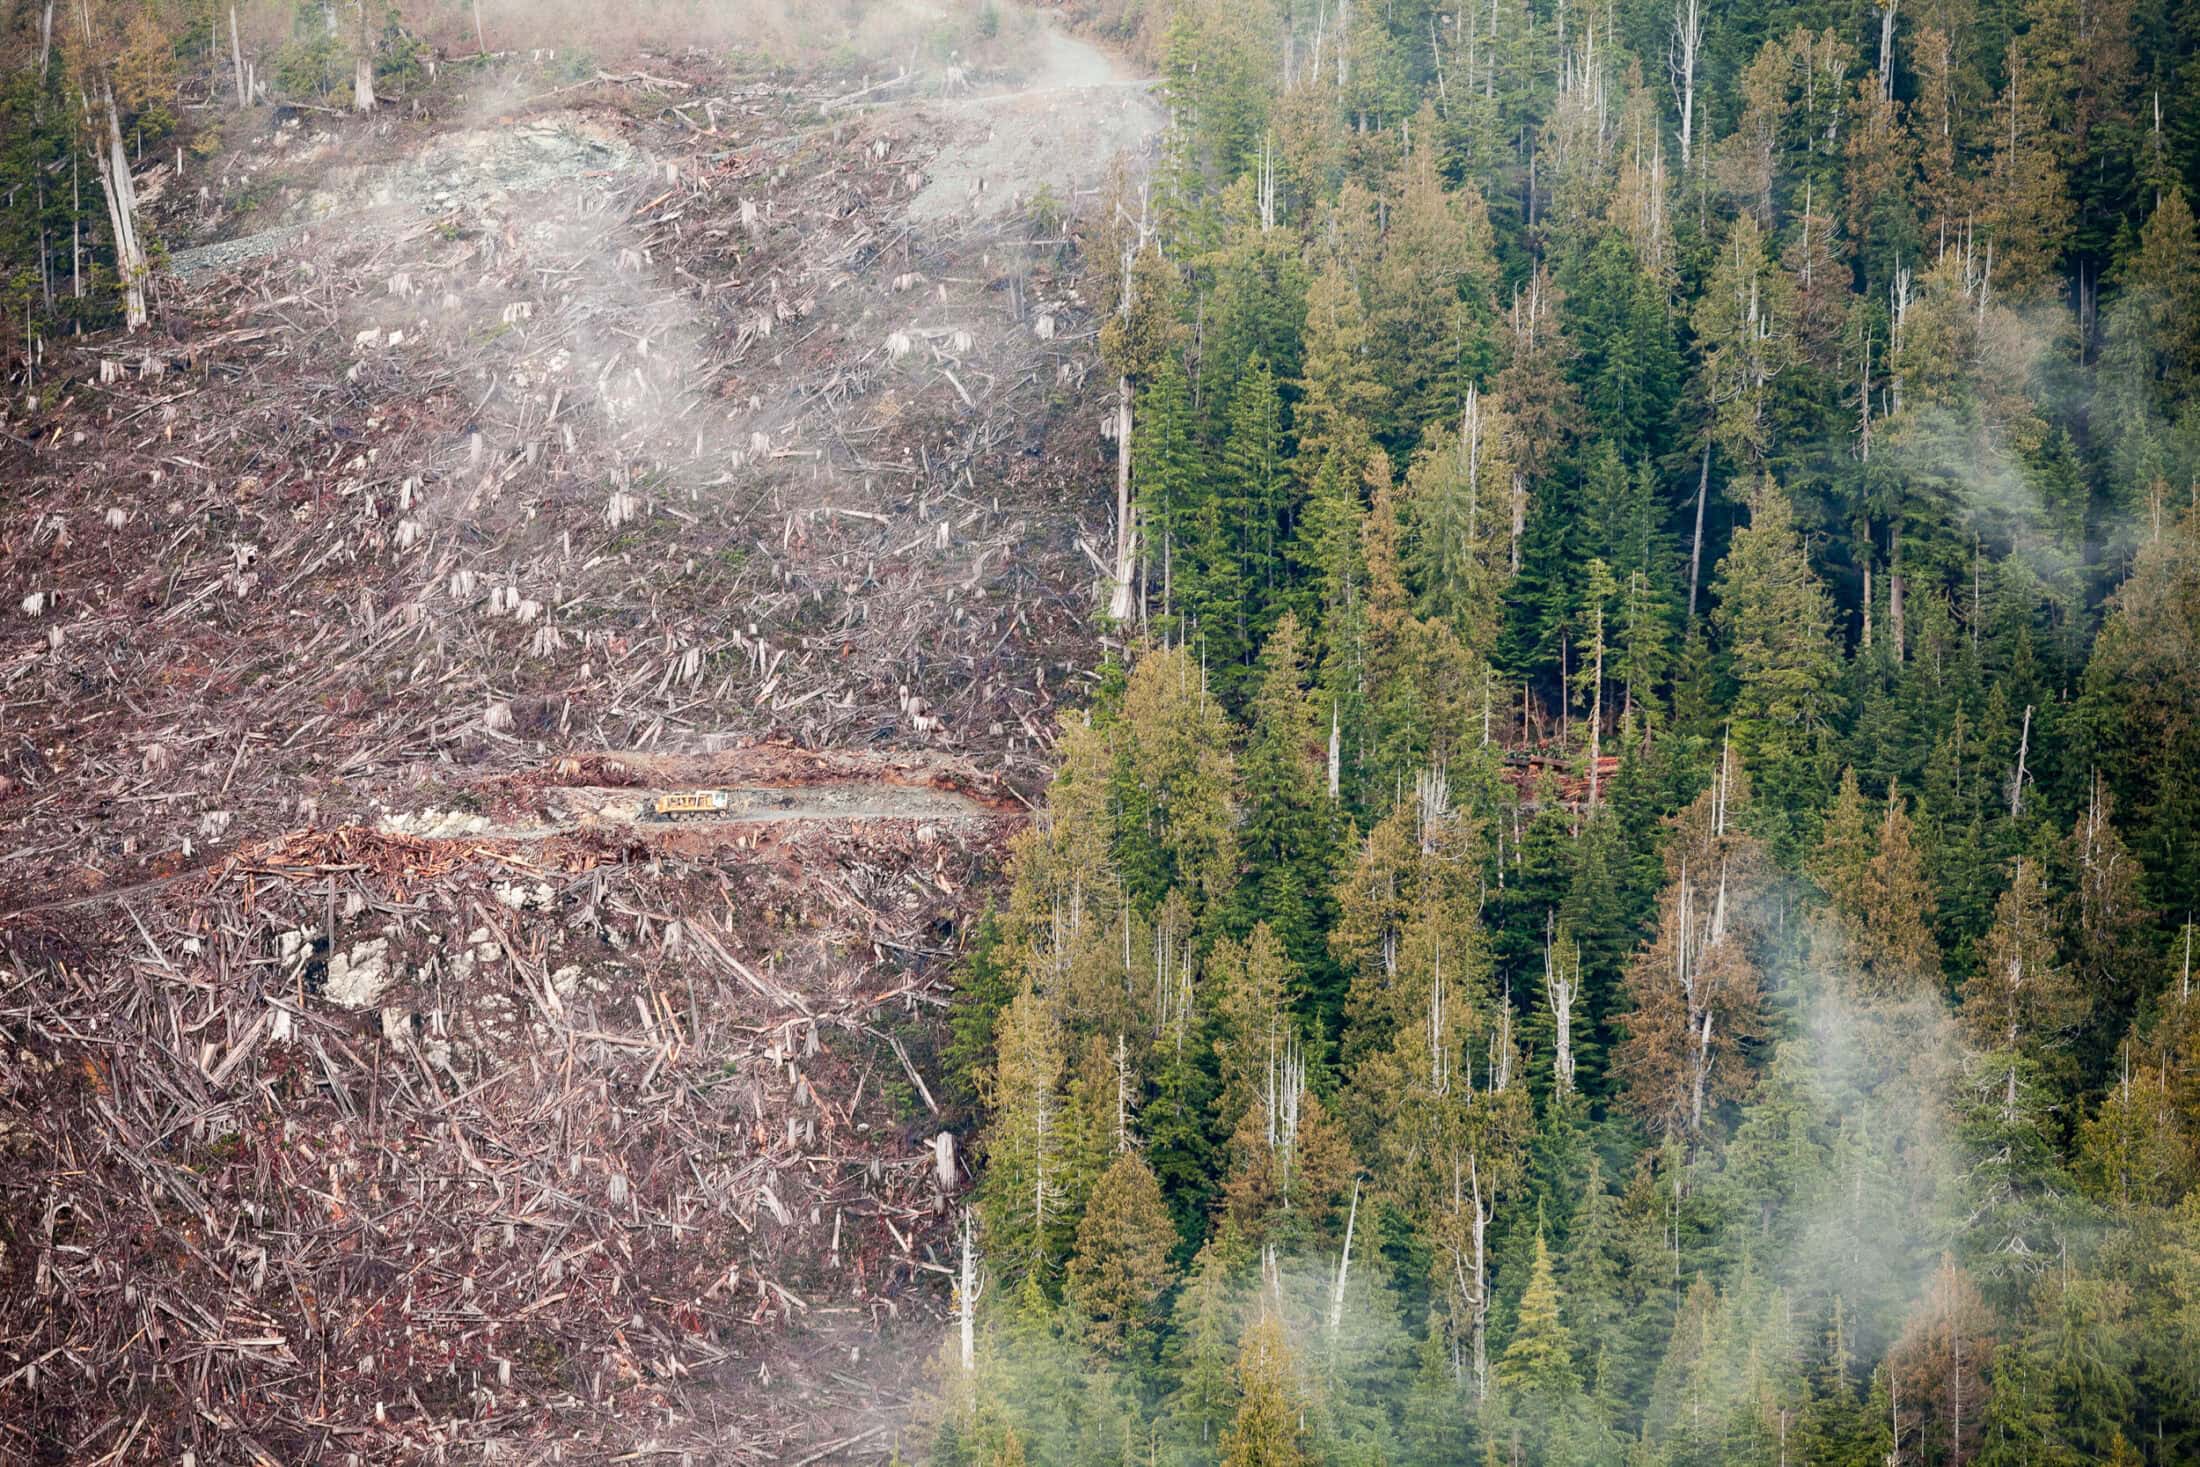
column 102, row 114
column 1682, row 58
column 362, row 66
column 969, row 1289
column 1131, row 342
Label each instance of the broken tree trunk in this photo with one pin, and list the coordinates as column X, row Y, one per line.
column 1126, row 533
column 362, row 67
column 1596, row 714
column 2016, row 779
column 1344, row 1262
column 236, row 60
column 1687, row 47
column 966, row 1300
column 121, row 195
column 1695, row 554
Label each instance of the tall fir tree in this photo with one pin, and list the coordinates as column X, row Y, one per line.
column 1775, row 620
column 1119, row 1268
column 1267, row 1430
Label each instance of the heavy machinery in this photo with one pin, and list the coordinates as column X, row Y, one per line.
column 685, row 804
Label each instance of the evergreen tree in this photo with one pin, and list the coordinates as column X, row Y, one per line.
column 1173, row 777
column 1629, row 371
column 1744, row 327
column 1020, row 1197
column 1092, row 1124
column 1173, row 491
column 2133, row 1152
column 1600, row 917
column 984, row 984
column 1941, row 1362
column 1291, row 1169
column 1775, row 620
column 1249, row 987
column 1543, row 1410
column 2104, row 926
column 1182, row 1146
column 1695, row 989
column 1437, row 1412
column 1199, row 1354
column 1267, row 1430
column 1120, row 1267
column 1458, row 495
column 1597, row 1287
column 1539, row 1359
column 2014, row 1194
column 1428, row 291
column 1339, row 391
column 1880, row 216
column 1258, row 303
column 1533, row 384
column 1843, row 858
column 2023, row 1001
column 1879, row 890
column 1256, row 511
column 2019, row 1425
column 1289, row 824
column 2028, row 214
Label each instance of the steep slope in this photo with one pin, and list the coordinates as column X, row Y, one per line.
column 376, row 1081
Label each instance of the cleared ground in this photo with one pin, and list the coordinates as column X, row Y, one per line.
column 374, row 1084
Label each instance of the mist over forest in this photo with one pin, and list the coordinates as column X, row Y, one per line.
column 1560, row 823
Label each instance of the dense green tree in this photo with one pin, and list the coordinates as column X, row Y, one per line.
column 1268, row 1429
column 1339, row 391
column 1428, row 290
column 1256, row 511
column 2141, row 707
column 1119, row 1268
column 2023, row 1000
column 1544, row 1413
column 1458, row 497
column 1629, row 370
column 1877, row 886
column 985, row 983
column 1289, row 823
column 1744, row 327
column 1200, row 1353
column 1021, row 1195
column 1775, row 619
column 1532, row 381
column 1257, row 305
column 1173, row 787
column 2133, row 1152
column 1539, row 1359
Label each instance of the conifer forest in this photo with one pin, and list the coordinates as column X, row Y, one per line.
column 1602, row 865
column 1632, row 900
